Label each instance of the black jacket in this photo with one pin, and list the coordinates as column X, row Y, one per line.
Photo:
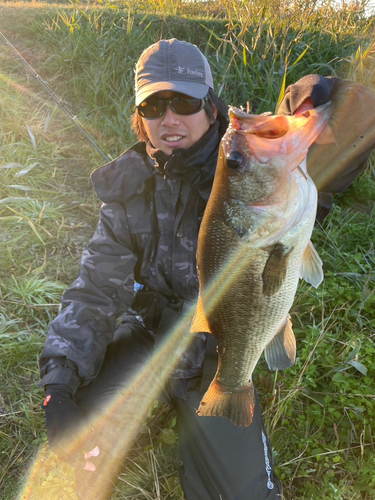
column 147, row 233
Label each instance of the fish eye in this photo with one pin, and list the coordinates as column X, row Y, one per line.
column 234, row 159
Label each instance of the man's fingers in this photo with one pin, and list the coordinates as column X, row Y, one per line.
column 89, row 466
column 305, row 106
column 93, row 453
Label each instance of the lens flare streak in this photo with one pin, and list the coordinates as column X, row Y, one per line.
column 120, row 421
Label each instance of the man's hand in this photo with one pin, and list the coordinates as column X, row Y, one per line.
column 66, row 429
column 90, row 466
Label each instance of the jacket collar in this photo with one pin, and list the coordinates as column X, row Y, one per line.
column 133, row 172
column 186, row 164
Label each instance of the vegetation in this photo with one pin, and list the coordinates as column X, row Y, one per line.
column 319, row 413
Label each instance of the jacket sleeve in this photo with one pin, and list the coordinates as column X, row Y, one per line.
column 334, row 166
column 77, row 339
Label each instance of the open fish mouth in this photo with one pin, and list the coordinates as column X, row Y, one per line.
column 270, row 137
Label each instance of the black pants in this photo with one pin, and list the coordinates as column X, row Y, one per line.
column 220, row 460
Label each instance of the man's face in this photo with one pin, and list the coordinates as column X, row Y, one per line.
column 171, row 130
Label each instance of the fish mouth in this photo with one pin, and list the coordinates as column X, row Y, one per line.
column 264, row 126
column 276, row 138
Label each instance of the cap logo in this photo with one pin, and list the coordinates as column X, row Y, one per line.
column 194, row 72
column 189, row 71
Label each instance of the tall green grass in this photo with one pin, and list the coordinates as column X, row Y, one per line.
column 254, row 52
column 319, row 413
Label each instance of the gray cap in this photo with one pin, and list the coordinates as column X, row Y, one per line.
column 172, row 65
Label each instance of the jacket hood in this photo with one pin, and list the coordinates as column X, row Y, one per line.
column 120, row 179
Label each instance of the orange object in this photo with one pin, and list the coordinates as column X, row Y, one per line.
column 48, row 397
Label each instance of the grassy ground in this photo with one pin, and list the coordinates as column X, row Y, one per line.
column 320, row 413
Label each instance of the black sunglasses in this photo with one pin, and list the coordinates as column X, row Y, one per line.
column 154, row 107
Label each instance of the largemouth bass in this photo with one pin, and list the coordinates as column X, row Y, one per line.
column 253, row 246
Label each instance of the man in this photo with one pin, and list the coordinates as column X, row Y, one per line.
column 154, row 196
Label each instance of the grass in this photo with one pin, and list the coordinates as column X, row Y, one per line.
column 320, row 413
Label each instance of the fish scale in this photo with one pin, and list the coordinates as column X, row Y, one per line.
column 253, row 246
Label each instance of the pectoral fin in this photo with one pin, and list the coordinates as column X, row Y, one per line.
column 280, row 353
column 200, row 323
column 275, row 270
column 312, row 266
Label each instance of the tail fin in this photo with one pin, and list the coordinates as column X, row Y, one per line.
column 237, row 406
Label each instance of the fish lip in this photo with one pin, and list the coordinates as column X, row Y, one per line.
column 237, row 113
